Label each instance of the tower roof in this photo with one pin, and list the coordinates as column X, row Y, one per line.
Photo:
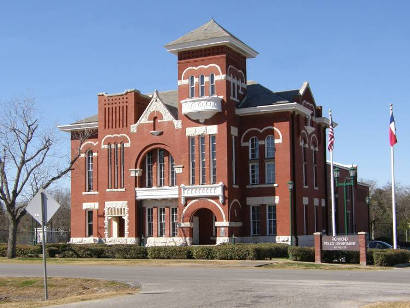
column 210, row 34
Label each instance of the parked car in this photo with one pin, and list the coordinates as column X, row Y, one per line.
column 379, row 245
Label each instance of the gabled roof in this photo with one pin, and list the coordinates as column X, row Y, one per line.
column 170, row 99
column 210, row 34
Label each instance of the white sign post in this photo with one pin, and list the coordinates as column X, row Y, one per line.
column 42, row 207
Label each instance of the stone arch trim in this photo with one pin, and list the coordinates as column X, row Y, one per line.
column 151, row 147
column 126, row 144
column 202, row 203
column 259, row 131
column 303, row 138
column 313, row 141
column 195, row 68
column 89, row 145
column 231, row 206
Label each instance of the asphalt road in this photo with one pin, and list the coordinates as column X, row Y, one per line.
column 205, row 286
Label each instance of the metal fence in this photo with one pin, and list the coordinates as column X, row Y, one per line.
column 35, row 236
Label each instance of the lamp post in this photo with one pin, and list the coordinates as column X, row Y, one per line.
column 344, row 184
column 290, row 186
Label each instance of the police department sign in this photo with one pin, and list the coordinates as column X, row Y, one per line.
column 340, row 242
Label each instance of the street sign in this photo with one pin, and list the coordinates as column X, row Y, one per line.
column 34, row 207
column 42, row 207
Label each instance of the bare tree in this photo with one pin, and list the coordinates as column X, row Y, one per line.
column 24, row 169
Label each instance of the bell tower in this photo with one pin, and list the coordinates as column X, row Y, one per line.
column 211, row 73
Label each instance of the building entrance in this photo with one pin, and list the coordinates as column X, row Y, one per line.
column 203, row 228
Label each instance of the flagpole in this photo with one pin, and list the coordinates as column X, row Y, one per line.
column 332, row 184
column 393, row 192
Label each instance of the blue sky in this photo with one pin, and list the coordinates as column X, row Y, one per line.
column 355, row 54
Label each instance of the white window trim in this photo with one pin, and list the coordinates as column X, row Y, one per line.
column 190, row 86
column 267, row 219
column 266, row 147
column 201, row 85
column 270, row 162
column 212, row 84
column 159, row 221
column 202, row 158
column 146, row 222
column 192, row 154
column 251, row 220
column 176, row 221
column 250, row 173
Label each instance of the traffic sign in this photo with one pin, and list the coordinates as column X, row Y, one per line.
column 34, row 207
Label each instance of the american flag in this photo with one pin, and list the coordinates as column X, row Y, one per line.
column 331, row 134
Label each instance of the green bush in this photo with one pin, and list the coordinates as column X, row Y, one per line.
column 235, row 252
column 301, row 253
column 126, row 252
column 169, row 252
column 203, row 252
column 390, row 257
column 271, row 250
column 3, row 250
column 335, row 256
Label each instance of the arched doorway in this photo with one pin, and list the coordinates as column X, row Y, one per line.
column 203, row 227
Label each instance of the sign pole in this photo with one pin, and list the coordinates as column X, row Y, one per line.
column 43, row 222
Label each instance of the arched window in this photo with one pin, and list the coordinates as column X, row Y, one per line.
column 254, row 148
column 254, row 161
column 109, row 158
column 269, row 147
column 212, row 84
column 89, row 175
column 314, row 160
column 201, row 85
column 191, row 86
column 269, row 160
column 304, row 162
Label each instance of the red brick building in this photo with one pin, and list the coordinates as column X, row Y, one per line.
column 207, row 163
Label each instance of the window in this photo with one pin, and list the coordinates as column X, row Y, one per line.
column 161, row 221
column 254, row 148
column 89, row 223
column 235, row 88
column 122, row 165
column 253, row 161
column 203, row 159
column 161, row 168
column 255, row 220
column 172, row 171
column 212, row 84
column 269, row 147
column 89, row 175
column 191, row 86
column 109, row 166
column 314, row 154
column 254, row 173
column 212, row 141
column 305, row 219
column 150, row 221
column 271, row 219
column 270, row 172
column 232, row 85
column 148, row 162
column 115, row 165
column 201, row 85
column 304, row 162
column 323, row 218
column 233, row 161
column 174, row 219
column 192, row 158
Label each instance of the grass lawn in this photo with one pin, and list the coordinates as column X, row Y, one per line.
column 278, row 263
column 29, row 291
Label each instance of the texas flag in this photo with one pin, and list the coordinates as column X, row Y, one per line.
column 392, row 128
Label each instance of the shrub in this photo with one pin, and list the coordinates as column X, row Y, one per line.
column 271, row 250
column 235, row 252
column 335, row 256
column 391, row 257
column 301, row 253
column 126, row 252
column 3, row 250
column 203, row 252
column 169, row 252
